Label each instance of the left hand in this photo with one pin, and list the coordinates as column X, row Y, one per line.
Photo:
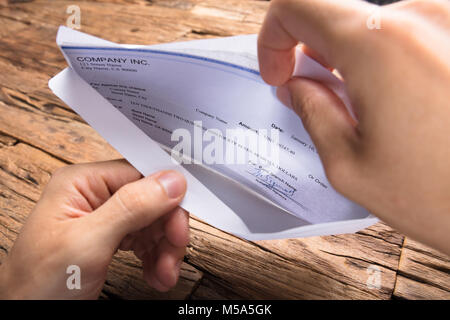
column 86, row 213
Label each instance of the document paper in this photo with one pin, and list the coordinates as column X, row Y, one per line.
column 138, row 97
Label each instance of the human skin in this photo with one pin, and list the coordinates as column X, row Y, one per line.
column 395, row 159
column 86, row 213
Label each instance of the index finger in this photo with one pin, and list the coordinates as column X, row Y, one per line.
column 96, row 181
column 323, row 25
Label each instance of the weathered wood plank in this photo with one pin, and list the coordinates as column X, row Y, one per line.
column 13, row 211
column 346, row 258
column 212, row 288
column 424, row 273
column 407, row 288
column 152, row 24
column 26, row 170
column 71, row 141
column 34, row 102
column 256, row 273
column 76, row 142
column 6, row 140
column 321, row 267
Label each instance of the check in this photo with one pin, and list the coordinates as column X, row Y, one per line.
column 252, row 169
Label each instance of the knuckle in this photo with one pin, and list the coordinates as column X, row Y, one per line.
column 136, row 198
column 130, row 199
column 70, row 173
column 306, row 108
column 61, row 173
column 139, row 201
column 280, row 6
column 339, row 172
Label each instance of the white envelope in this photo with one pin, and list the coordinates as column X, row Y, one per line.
column 223, row 200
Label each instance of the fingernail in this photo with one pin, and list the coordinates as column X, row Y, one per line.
column 173, row 183
column 284, row 96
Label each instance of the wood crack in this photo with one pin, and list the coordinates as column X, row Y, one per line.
column 18, row 140
column 359, row 259
column 362, row 233
column 9, row 230
column 211, row 234
column 25, row 22
column 205, row 32
column 398, row 266
column 2, row 248
column 432, row 266
column 34, row 109
column 108, row 294
column 206, row 272
column 427, row 253
column 129, row 264
column 50, row 130
column 28, row 180
column 14, row 218
column 295, row 262
column 421, row 280
column 46, row 109
column 46, row 152
column 14, row 191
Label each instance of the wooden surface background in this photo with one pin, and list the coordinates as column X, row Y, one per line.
column 39, row 133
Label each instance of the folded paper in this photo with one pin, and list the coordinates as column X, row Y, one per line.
column 140, row 97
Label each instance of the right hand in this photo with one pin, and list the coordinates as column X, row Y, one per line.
column 395, row 160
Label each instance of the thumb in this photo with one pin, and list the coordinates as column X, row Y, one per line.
column 137, row 205
column 324, row 117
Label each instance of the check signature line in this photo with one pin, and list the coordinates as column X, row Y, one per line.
column 273, row 186
column 271, row 183
column 282, row 195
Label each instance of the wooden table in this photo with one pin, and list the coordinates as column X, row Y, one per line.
column 39, row 133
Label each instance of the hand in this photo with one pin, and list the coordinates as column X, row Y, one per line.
column 395, row 159
column 85, row 214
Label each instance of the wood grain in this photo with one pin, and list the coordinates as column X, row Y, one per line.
column 423, row 273
column 39, row 133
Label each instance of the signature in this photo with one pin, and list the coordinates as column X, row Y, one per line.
column 265, row 177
